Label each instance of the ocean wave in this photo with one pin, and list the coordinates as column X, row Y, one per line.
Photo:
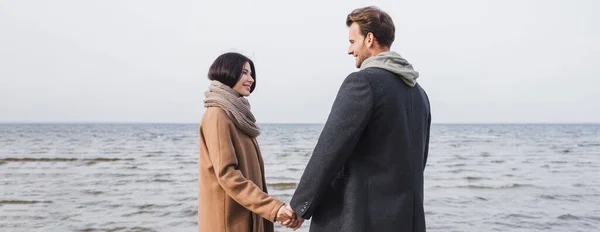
column 589, row 145
column 508, row 186
column 189, row 213
column 282, row 186
column 594, row 218
column 549, row 197
column 160, row 181
column 559, row 198
column 460, row 157
column 515, row 215
column 38, row 160
column 155, row 206
column 138, row 213
column 568, row 217
column 485, row 154
column 54, row 160
column 98, row 160
column 565, row 151
column 461, row 170
column 456, row 165
column 21, row 202
column 475, row 178
column 114, row 229
column 476, row 141
column 92, row 192
column 156, row 152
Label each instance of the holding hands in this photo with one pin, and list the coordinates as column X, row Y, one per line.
column 288, row 218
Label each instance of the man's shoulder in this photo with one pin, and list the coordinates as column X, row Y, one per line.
column 373, row 71
column 357, row 77
column 367, row 74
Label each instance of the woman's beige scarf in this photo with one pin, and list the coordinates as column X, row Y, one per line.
column 236, row 107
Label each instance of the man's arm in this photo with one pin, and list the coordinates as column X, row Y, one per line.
column 350, row 114
column 427, row 141
column 428, row 133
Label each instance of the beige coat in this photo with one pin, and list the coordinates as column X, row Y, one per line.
column 232, row 192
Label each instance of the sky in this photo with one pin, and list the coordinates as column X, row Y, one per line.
column 514, row 61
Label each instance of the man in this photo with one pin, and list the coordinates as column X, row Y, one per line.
column 366, row 171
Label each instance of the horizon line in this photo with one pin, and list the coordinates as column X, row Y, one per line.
column 300, row 123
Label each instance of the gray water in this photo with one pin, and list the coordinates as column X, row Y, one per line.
column 144, row 177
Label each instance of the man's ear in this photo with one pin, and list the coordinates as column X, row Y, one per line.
column 369, row 39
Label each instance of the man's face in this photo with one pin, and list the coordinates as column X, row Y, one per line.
column 358, row 47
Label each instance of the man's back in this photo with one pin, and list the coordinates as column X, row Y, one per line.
column 380, row 185
column 392, row 153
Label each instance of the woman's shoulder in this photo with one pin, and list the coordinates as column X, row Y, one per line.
column 215, row 114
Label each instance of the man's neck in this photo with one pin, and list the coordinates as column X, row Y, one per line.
column 379, row 50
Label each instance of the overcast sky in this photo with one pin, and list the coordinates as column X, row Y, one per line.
column 514, row 61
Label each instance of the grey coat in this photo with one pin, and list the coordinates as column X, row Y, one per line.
column 366, row 171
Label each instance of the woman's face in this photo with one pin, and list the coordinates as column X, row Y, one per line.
column 243, row 85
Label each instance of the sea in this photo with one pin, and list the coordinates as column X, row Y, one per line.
column 143, row 177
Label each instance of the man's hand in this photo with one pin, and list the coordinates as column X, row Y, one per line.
column 286, row 216
column 299, row 221
column 289, row 218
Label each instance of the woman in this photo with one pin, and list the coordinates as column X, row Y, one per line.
column 232, row 193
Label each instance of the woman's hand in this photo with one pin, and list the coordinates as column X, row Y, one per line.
column 287, row 217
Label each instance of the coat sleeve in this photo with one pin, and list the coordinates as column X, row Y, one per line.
column 426, row 155
column 350, row 114
column 217, row 133
column 427, row 141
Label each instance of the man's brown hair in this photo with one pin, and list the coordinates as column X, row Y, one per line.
column 374, row 20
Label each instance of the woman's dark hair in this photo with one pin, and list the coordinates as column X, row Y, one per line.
column 227, row 69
